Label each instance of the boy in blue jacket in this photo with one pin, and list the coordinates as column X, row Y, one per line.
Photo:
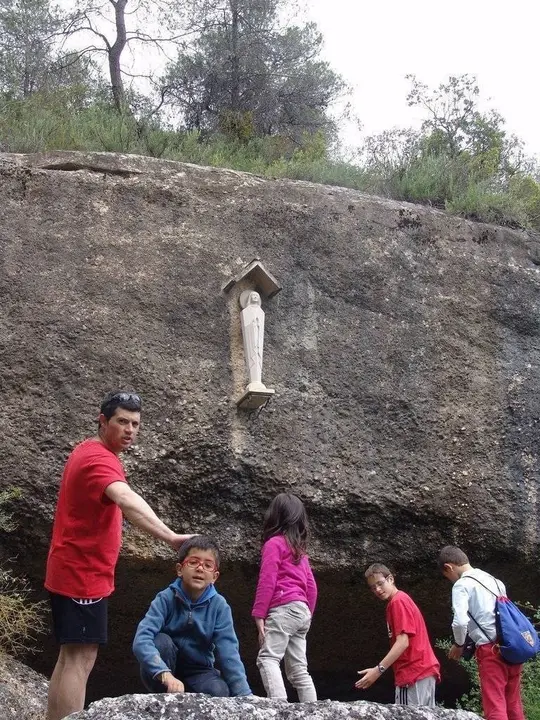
column 185, row 624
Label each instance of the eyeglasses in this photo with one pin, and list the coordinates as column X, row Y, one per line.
column 378, row 585
column 193, row 562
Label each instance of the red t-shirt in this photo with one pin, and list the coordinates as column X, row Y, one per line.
column 87, row 530
column 418, row 661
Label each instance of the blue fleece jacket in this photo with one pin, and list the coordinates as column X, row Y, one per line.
column 197, row 629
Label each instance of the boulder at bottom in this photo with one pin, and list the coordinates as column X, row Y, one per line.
column 23, row 692
column 203, row 707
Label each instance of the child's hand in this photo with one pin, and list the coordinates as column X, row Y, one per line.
column 455, row 652
column 259, row 623
column 173, row 685
column 369, row 677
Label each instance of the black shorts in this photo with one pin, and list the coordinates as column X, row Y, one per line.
column 79, row 621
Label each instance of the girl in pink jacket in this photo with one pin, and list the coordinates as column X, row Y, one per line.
column 285, row 599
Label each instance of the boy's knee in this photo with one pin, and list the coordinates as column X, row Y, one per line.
column 164, row 644
column 208, row 683
column 167, row 651
column 218, row 688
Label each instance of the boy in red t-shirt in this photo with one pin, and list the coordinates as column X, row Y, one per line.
column 416, row 669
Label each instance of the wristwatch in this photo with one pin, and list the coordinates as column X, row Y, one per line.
column 381, row 668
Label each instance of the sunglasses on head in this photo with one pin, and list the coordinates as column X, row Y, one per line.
column 122, row 397
column 126, row 397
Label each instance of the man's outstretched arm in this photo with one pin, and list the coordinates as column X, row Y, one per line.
column 140, row 514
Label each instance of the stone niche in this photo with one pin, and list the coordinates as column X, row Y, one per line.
column 246, row 290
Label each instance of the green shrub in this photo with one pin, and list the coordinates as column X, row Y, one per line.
column 430, row 179
column 20, row 619
column 480, row 203
column 399, row 165
column 237, row 125
column 526, row 191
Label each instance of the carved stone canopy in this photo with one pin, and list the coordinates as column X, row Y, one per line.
column 258, row 277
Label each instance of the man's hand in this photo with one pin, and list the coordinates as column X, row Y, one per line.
column 177, row 540
column 455, row 652
column 173, row 685
column 370, row 675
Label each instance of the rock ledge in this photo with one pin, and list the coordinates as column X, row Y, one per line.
column 202, row 707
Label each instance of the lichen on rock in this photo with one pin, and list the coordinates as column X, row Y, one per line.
column 201, row 707
column 23, row 692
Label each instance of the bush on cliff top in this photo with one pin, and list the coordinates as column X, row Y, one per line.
column 477, row 186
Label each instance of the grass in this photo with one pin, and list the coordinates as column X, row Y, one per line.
column 66, row 121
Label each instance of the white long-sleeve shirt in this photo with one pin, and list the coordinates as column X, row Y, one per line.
column 469, row 596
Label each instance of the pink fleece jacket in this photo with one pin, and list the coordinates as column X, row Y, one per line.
column 281, row 581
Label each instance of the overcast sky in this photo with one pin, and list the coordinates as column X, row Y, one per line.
column 373, row 45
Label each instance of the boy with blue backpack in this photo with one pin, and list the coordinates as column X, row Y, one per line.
column 504, row 638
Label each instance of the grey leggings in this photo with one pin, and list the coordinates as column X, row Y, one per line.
column 285, row 630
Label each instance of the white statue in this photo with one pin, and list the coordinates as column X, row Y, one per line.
column 252, row 320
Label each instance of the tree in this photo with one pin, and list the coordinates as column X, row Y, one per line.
column 31, row 55
column 111, row 26
column 461, row 159
column 28, row 34
column 246, row 72
column 455, row 127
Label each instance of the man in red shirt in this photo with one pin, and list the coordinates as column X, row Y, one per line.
column 85, row 545
column 416, row 669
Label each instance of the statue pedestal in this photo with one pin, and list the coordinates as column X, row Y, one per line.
column 254, row 399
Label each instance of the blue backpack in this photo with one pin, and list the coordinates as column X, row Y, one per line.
column 516, row 638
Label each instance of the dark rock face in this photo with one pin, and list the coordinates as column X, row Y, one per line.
column 404, row 350
column 202, row 707
column 23, row 692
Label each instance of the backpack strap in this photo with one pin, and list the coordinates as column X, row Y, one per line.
column 493, row 593
column 481, row 628
column 471, row 577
